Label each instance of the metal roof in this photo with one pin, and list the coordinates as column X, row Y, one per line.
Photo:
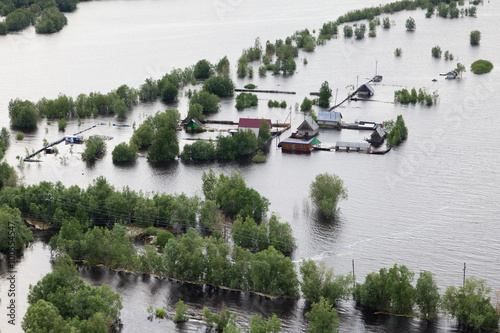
column 329, row 116
column 297, row 141
column 252, row 122
column 314, row 126
column 361, row 145
column 366, row 87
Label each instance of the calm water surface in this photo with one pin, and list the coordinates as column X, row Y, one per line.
column 430, row 203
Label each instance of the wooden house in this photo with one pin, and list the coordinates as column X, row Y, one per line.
column 377, row 136
column 366, row 90
column 252, row 124
column 308, row 128
column 296, row 145
column 329, row 119
column 194, row 126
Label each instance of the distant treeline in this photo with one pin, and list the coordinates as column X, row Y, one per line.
column 46, row 15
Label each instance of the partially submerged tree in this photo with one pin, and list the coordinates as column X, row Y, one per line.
column 326, row 191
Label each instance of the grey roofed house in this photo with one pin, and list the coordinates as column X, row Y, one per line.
column 308, row 127
column 329, row 118
column 366, row 90
column 378, row 135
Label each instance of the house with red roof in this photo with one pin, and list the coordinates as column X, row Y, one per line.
column 252, row 124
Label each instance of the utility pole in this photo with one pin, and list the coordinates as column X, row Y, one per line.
column 336, row 92
column 357, row 77
column 464, row 275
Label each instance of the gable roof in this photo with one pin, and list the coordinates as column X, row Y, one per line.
column 309, row 123
column 195, row 121
column 367, row 88
column 330, row 116
column 252, row 122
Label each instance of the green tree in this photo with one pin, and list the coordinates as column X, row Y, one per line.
column 348, row 32
column 18, row 19
column 169, row 92
column 223, row 67
column 202, row 69
column 400, row 289
column 219, row 85
column 386, row 23
column 436, row 52
column 475, row 37
column 124, row 153
column 306, row 104
column 323, row 318
column 326, row 191
column 165, row 146
column 95, row 147
column 13, row 231
column 43, row 317
column 459, row 69
column 52, row 20
column 373, row 292
column 208, row 101
column 23, row 114
column 470, row 304
column 410, row 24
column 325, row 92
column 210, row 182
column 481, row 66
column 8, row 176
column 143, row 136
column 427, row 295
column 163, row 236
column 196, row 111
column 220, row 320
column 180, row 312
column 120, row 108
column 259, row 325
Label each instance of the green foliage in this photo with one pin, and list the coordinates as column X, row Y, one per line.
column 323, row 318
column 470, row 305
column 61, row 124
column 200, row 150
column 398, row 133
column 348, row 32
column 66, row 5
column 475, row 37
column 481, row 67
column 436, row 52
column 52, row 20
column 305, row 40
column 239, row 144
column 20, row 136
column 325, row 92
column 23, row 114
column 149, row 91
column 443, row 10
column 250, row 86
column 430, row 11
column 459, row 69
column 180, row 312
column 208, row 101
column 219, row 85
column 325, row 192
column 151, row 231
column 242, row 69
column 404, row 96
column 163, row 236
column 359, row 32
column 247, row 234
column 320, row 282
column 127, row 95
column 427, row 295
column 125, row 153
column 306, row 104
column 399, row 289
column 328, row 30
column 386, row 23
column 169, row 92
column 246, row 100
column 143, row 136
column 160, row 313
column 202, row 69
column 410, row 24
column 398, row 52
column 18, row 19
column 95, row 147
column 259, row 325
column 62, row 106
column 235, row 198
column 259, row 157
column 3, row 28
column 13, row 232
column 222, row 67
column 165, row 146
column 61, row 300
column 221, row 320
column 196, row 111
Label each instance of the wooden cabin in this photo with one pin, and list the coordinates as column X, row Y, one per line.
column 194, row 126
column 366, row 90
column 308, row 128
column 296, row 145
column 329, row 119
column 377, row 136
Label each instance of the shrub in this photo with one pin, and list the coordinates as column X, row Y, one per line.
column 219, row 85
column 160, row 313
column 125, row 153
column 250, row 86
column 475, row 37
column 481, row 66
column 162, row 237
column 151, row 231
column 20, row 136
column 410, row 24
column 61, row 123
column 180, row 311
column 348, row 32
column 259, row 157
column 325, row 192
column 246, row 100
column 398, row 133
column 306, row 104
column 202, row 69
column 398, row 52
column 436, row 52
column 94, row 148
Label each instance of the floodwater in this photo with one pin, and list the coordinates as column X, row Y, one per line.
column 430, row 204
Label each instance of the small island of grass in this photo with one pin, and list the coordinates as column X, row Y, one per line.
column 481, row 67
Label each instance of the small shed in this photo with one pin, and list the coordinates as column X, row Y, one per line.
column 308, row 128
column 451, row 75
column 329, row 119
column 366, row 90
column 252, row 124
column 193, row 126
column 296, row 145
column 377, row 136
column 352, row 146
column 73, row 139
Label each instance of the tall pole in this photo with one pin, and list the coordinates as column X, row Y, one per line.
column 464, row 275
column 336, row 92
column 376, row 62
column 357, row 77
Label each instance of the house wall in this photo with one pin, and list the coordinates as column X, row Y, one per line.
column 289, row 146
